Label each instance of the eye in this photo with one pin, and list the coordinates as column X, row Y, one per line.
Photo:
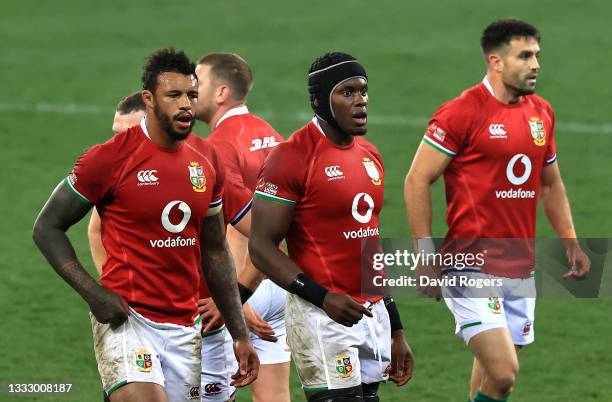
column 364, row 92
column 347, row 93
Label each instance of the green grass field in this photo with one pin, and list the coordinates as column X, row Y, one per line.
column 65, row 63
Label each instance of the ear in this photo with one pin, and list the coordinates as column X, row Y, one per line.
column 315, row 102
column 223, row 93
column 495, row 62
column 147, row 98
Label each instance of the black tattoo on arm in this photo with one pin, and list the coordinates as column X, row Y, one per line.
column 220, row 275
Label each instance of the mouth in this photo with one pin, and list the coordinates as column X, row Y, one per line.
column 184, row 120
column 360, row 118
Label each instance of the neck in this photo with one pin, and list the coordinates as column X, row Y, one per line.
column 336, row 136
column 501, row 91
column 221, row 112
column 158, row 134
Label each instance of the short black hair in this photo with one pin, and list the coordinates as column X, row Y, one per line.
column 164, row 61
column 502, row 31
column 131, row 103
column 231, row 69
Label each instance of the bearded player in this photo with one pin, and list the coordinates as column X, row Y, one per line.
column 243, row 140
column 318, row 190
column 144, row 313
column 495, row 146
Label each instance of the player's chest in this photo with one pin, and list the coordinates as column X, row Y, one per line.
column 339, row 178
column 152, row 186
column 510, row 132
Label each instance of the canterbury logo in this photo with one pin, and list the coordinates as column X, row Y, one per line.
column 212, row 389
column 333, row 171
column 497, row 130
column 147, row 176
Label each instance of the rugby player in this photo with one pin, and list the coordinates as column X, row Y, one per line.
column 243, row 140
column 315, row 190
column 495, row 145
column 129, row 112
column 144, row 313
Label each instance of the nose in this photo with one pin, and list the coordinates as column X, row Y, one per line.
column 361, row 99
column 186, row 103
column 535, row 64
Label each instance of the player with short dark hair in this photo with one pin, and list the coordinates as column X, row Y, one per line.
column 243, row 140
column 495, row 145
column 158, row 191
column 130, row 111
column 322, row 191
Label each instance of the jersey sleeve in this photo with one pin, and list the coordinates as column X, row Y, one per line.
column 216, row 200
column 551, row 148
column 231, row 160
column 237, row 202
column 281, row 176
column 448, row 128
column 91, row 177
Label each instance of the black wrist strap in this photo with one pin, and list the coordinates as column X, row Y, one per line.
column 308, row 289
column 245, row 293
column 394, row 317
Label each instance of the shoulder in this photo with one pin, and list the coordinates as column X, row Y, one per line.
column 469, row 100
column 540, row 103
column 369, row 147
column 117, row 149
column 264, row 126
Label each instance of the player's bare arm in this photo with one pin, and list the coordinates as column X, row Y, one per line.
column 220, row 275
column 427, row 166
column 62, row 210
column 94, row 234
column 271, row 221
column 557, row 208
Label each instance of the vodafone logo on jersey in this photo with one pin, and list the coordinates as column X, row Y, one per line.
column 362, row 215
column 182, row 209
column 518, row 172
column 147, row 178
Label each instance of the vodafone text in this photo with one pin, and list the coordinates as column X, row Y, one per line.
column 173, row 242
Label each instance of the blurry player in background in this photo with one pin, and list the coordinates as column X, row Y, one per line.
column 243, row 140
column 129, row 113
column 318, row 190
column 144, row 313
column 495, row 146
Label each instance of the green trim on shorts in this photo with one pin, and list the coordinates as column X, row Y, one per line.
column 464, row 326
column 197, row 320
column 319, row 389
column 213, row 332
column 116, row 387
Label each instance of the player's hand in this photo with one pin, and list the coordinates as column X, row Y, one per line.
column 427, row 280
column 109, row 308
column 402, row 359
column 211, row 316
column 579, row 263
column 257, row 325
column 248, row 363
column 344, row 309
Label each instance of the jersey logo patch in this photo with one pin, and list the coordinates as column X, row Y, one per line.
column 371, row 170
column 147, row 178
column 266, row 142
column 497, row 131
column 196, row 177
column 334, row 173
column 537, row 131
column 344, row 368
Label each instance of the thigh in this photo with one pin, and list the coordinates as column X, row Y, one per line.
column 139, row 392
column 218, row 365
column 495, row 351
column 126, row 354
column 181, row 363
column 272, row 352
column 272, row 384
column 325, row 353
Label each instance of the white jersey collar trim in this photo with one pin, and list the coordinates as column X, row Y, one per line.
column 315, row 121
column 143, row 126
column 235, row 111
column 487, row 84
